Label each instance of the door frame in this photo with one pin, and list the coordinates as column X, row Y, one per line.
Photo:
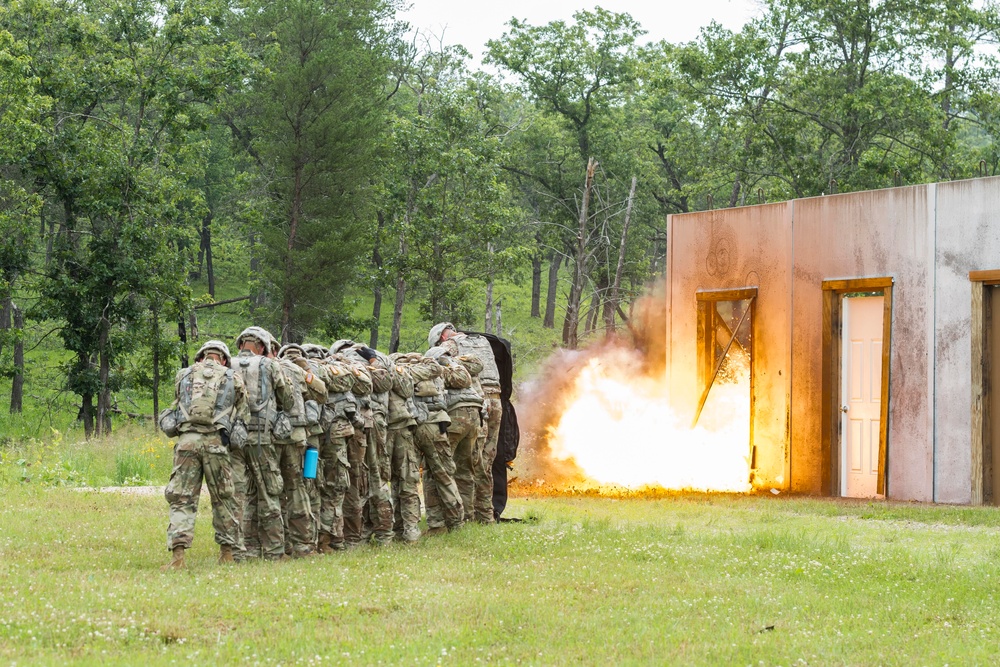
column 982, row 446
column 832, row 436
column 706, row 341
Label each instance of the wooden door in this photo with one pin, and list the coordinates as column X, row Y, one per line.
column 861, row 394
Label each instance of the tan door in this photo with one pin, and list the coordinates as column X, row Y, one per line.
column 861, row 393
column 992, row 467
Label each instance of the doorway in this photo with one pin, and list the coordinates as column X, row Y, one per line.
column 985, row 369
column 725, row 354
column 857, row 322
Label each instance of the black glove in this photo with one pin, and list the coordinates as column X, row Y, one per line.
column 366, row 353
column 224, row 435
column 443, row 427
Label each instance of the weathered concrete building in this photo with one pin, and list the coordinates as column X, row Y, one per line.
column 868, row 319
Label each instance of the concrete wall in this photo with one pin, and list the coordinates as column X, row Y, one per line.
column 927, row 238
column 968, row 239
column 867, row 235
column 729, row 249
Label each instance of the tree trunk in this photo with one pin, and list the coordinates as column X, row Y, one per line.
column 550, row 296
column 536, row 280
column 206, row 245
column 193, row 324
column 156, row 365
column 397, row 313
column 257, row 298
column 182, row 334
column 499, row 325
column 611, row 303
column 572, row 321
column 104, row 373
column 5, row 318
column 87, row 414
column 377, row 287
column 489, row 308
column 17, row 382
column 593, row 313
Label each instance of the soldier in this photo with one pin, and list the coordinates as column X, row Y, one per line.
column 295, row 507
column 338, row 424
column 377, row 512
column 315, row 433
column 208, row 416
column 464, row 405
column 429, row 440
column 270, row 398
column 459, row 344
column 358, row 454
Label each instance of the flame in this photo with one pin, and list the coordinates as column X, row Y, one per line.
column 619, row 428
column 601, row 420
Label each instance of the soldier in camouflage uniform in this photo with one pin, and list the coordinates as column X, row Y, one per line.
column 316, row 436
column 261, row 487
column 338, row 422
column 459, row 344
column 429, row 441
column 463, row 405
column 204, row 428
column 376, row 511
column 295, row 507
column 357, row 448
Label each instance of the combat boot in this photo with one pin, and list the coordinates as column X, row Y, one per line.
column 323, row 546
column 430, row 532
column 226, row 555
column 177, row 563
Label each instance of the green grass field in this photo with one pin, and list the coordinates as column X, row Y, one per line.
column 704, row 580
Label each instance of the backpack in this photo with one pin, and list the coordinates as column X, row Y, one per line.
column 479, row 346
column 260, row 396
column 205, row 396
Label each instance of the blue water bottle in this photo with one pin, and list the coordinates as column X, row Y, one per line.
column 312, row 459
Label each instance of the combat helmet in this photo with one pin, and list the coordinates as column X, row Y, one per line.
column 216, row 345
column 256, row 333
column 294, row 348
column 314, row 351
column 434, row 337
column 340, row 345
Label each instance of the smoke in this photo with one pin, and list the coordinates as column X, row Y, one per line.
column 638, row 351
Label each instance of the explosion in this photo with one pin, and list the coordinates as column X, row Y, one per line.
column 604, row 420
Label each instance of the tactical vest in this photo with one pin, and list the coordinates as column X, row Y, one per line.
column 295, row 377
column 205, row 397
column 257, row 379
column 480, row 347
column 341, row 402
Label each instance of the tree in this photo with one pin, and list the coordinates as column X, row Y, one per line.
column 129, row 80
column 312, row 119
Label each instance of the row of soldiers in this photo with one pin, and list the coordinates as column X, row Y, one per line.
column 245, row 426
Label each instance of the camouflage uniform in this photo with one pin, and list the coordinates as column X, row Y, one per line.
column 315, row 435
column 261, row 484
column 338, row 414
column 377, row 513
column 442, row 500
column 464, row 405
column 201, row 455
column 295, row 506
column 461, row 345
column 358, row 453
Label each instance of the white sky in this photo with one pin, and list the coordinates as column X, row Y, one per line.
column 472, row 22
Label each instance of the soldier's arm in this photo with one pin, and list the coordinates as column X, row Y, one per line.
column 456, row 376
column 471, row 363
column 282, row 387
column 425, row 369
column 315, row 384
column 241, row 403
column 402, row 381
column 381, row 376
column 362, row 380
